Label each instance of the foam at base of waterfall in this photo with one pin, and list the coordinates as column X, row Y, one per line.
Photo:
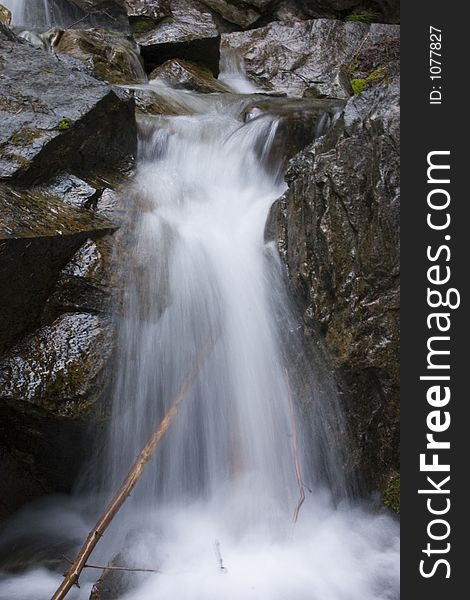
column 333, row 553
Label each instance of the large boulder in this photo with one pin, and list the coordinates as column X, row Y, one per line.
column 67, row 142
column 316, row 57
column 39, row 233
column 190, row 33
column 56, row 337
column 109, row 55
column 337, row 228
column 55, row 117
column 47, row 382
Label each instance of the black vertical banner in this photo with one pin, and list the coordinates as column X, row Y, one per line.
column 435, row 449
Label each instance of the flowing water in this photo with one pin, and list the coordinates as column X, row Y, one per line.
column 29, row 13
column 43, row 14
column 213, row 512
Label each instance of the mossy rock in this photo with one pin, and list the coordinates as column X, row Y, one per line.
column 391, row 493
column 142, row 24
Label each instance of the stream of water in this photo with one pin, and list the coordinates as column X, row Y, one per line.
column 213, row 512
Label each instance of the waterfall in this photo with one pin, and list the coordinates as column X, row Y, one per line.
column 200, row 271
column 213, row 511
column 43, row 14
column 222, row 489
column 29, row 13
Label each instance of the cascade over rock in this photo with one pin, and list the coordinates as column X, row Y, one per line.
column 314, row 57
column 337, row 228
column 112, row 290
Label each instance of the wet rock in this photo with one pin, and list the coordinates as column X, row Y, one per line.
column 101, row 198
column 49, row 382
column 60, row 367
column 183, row 74
column 39, row 233
column 5, row 15
column 300, row 120
column 245, row 14
column 110, row 56
column 145, row 14
column 250, row 13
column 84, row 283
column 150, row 103
column 378, row 11
column 338, row 233
column 190, row 34
column 107, row 14
column 55, row 117
column 316, row 55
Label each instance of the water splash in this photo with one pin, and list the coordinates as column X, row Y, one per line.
column 233, row 73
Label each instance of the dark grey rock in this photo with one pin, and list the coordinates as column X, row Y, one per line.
column 190, row 34
column 55, row 117
column 309, row 55
column 39, row 233
column 60, row 366
column 49, row 383
column 107, row 14
column 338, row 233
column 251, row 13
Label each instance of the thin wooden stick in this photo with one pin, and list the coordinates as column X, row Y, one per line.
column 114, row 567
column 72, row 574
column 295, row 452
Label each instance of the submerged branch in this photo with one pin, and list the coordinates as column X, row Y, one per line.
column 72, row 574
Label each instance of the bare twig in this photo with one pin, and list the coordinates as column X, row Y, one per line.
column 295, row 452
column 114, row 567
column 72, row 574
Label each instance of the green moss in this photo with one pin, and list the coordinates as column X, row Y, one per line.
column 64, row 124
column 375, row 76
column 358, row 85
column 363, row 16
column 391, row 493
column 142, row 24
column 46, row 69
